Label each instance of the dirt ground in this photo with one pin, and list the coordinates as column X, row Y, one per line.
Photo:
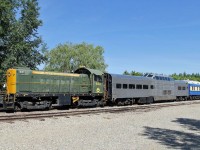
column 176, row 127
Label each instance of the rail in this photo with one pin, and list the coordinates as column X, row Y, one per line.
column 77, row 112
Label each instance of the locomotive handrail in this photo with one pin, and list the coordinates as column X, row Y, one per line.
column 2, row 92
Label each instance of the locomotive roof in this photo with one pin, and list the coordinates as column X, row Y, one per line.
column 88, row 71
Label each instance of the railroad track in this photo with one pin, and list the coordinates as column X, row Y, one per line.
column 75, row 112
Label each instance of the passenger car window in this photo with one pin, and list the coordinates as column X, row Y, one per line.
column 152, row 87
column 150, row 75
column 131, row 86
column 138, row 86
column 118, row 86
column 164, row 92
column 125, row 86
column 169, row 92
column 145, row 87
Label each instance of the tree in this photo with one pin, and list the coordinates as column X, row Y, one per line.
column 20, row 44
column 134, row 73
column 7, row 19
column 185, row 76
column 126, row 73
column 68, row 57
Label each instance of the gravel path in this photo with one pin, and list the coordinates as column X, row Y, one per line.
column 167, row 128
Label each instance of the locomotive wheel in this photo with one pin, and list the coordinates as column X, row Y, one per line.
column 101, row 103
column 49, row 107
column 17, row 107
column 120, row 103
column 127, row 102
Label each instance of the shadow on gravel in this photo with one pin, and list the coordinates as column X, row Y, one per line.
column 190, row 124
column 176, row 139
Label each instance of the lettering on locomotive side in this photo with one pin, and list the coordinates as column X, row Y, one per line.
column 98, row 83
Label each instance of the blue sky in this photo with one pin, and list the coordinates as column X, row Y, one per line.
column 161, row 36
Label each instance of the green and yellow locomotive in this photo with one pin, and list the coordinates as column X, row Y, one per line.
column 28, row 89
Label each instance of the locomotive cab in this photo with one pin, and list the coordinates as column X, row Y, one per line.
column 96, row 79
column 97, row 87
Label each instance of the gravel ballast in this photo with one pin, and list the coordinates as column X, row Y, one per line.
column 175, row 127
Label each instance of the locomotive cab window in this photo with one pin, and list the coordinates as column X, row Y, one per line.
column 97, row 78
column 118, row 86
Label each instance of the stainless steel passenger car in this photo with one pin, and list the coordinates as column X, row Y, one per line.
column 131, row 88
column 146, row 89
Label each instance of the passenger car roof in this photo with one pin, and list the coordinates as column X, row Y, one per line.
column 130, row 77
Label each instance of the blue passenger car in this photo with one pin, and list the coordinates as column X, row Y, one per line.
column 194, row 89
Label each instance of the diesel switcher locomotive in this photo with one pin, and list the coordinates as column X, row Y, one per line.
column 28, row 89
